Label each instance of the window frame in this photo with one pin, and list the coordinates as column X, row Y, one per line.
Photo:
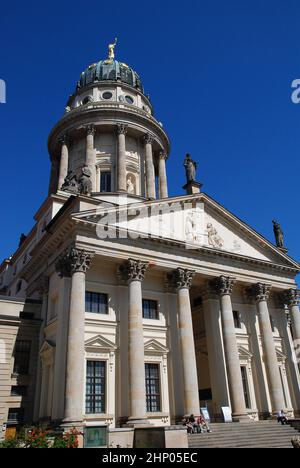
column 246, row 387
column 106, row 185
column 153, row 399
column 237, row 318
column 96, row 397
column 150, row 310
column 99, row 303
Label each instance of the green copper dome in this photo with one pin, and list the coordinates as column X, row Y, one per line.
column 110, row 70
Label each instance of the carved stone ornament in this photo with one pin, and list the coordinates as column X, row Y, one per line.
column 90, row 130
column 71, row 183
column 214, row 240
column 180, row 278
column 122, row 129
column 260, row 291
column 291, row 297
column 148, row 139
column 133, row 270
column 223, row 285
column 72, row 261
column 85, row 182
column 163, row 155
column 78, row 185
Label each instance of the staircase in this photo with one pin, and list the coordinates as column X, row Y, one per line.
column 263, row 434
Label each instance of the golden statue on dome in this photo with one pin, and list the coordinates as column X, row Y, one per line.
column 111, row 50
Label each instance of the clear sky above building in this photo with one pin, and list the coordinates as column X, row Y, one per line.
column 218, row 73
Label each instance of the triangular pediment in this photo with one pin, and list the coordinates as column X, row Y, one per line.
column 280, row 355
column 197, row 221
column 154, row 346
column 100, row 343
column 244, row 353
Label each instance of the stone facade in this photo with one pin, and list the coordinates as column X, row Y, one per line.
column 225, row 298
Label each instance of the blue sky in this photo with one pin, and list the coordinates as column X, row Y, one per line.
column 219, row 74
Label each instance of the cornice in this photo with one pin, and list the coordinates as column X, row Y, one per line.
column 103, row 114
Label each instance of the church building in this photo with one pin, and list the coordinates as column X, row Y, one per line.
column 124, row 307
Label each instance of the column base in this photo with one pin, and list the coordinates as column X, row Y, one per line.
column 241, row 418
column 137, row 423
column 69, row 423
column 193, row 187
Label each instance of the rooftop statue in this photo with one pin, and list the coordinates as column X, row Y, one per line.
column 279, row 236
column 71, row 183
column 111, row 50
column 190, row 169
column 85, row 182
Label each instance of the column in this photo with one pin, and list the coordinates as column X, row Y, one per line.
column 261, row 293
column 64, row 161
column 150, row 173
column 292, row 300
column 215, row 348
column 133, row 272
column 54, row 175
column 42, row 286
column 90, row 158
column 224, row 286
column 121, row 163
column 181, row 281
column 163, row 185
column 75, row 263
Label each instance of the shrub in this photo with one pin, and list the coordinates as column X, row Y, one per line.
column 40, row 438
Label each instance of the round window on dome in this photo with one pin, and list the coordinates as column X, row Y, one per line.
column 107, row 95
column 129, row 99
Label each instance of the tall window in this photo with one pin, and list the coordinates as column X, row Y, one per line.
column 96, row 303
column 22, row 357
column 105, row 181
column 150, row 309
column 95, row 387
column 237, row 319
column 246, row 387
column 152, row 388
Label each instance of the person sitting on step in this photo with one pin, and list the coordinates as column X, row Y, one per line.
column 282, row 418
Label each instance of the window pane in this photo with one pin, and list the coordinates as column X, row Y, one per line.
column 150, row 309
column 96, row 387
column 237, row 319
column 96, row 303
column 153, row 388
column 245, row 387
column 105, row 181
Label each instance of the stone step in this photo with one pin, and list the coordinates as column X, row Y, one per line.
column 266, row 434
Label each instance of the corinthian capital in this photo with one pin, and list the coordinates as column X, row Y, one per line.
column 90, row 129
column 180, row 278
column 72, row 261
column 291, row 297
column 133, row 270
column 223, row 285
column 260, row 292
column 163, row 155
column 122, row 128
column 148, row 139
